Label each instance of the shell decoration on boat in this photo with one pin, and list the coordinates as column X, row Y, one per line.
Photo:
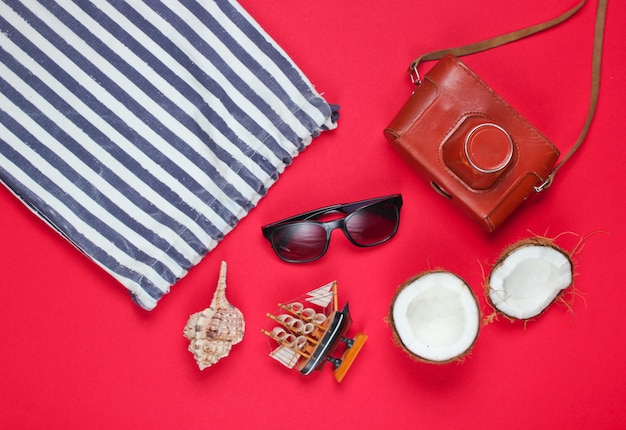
column 213, row 331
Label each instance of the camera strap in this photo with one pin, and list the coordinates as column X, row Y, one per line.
column 525, row 32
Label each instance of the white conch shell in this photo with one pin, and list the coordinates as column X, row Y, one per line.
column 213, row 331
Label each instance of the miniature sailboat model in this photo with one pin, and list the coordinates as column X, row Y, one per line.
column 309, row 330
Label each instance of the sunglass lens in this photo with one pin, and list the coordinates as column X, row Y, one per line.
column 373, row 224
column 299, row 241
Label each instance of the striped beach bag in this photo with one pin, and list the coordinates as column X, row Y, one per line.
column 144, row 131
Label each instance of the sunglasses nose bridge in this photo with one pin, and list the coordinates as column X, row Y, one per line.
column 339, row 224
column 335, row 224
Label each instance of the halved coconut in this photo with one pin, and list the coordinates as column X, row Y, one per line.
column 435, row 317
column 528, row 277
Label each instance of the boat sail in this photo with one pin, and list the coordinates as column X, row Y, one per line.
column 308, row 330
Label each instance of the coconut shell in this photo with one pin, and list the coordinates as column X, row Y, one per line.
column 397, row 338
column 508, row 251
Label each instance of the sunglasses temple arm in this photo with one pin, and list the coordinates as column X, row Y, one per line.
column 351, row 207
column 346, row 208
column 342, row 207
column 312, row 214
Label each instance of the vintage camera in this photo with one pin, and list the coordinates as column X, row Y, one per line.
column 470, row 144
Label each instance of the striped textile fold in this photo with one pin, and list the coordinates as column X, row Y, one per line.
column 144, row 131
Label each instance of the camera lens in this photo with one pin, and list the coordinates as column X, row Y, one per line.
column 488, row 148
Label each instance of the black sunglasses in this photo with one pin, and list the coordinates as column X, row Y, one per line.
column 301, row 238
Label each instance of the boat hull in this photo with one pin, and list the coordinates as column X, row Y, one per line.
column 339, row 324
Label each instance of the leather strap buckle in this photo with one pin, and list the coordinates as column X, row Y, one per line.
column 545, row 184
column 414, row 74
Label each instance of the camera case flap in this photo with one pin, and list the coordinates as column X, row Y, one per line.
column 470, row 144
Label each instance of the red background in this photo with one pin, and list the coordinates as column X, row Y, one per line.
column 77, row 353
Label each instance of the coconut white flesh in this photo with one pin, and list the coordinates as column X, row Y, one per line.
column 436, row 316
column 528, row 280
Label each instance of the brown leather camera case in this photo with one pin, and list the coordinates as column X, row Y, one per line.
column 470, row 144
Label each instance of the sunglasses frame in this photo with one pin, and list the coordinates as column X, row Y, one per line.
column 349, row 209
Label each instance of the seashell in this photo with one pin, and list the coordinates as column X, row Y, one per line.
column 213, row 331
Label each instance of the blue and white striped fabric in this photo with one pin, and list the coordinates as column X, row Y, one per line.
column 144, row 131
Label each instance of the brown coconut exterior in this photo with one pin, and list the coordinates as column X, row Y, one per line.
column 396, row 337
column 531, row 241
